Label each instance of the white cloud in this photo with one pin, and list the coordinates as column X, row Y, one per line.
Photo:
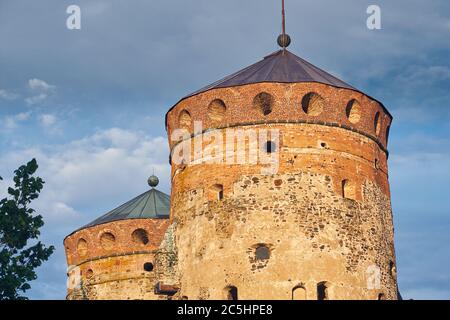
column 4, row 94
column 47, row 120
column 12, row 122
column 99, row 171
column 38, row 84
column 36, row 99
column 42, row 90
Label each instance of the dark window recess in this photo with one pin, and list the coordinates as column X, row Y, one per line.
column 271, row 147
column 264, row 102
column 232, row 293
column 140, row 236
column 218, row 191
column 148, row 266
column 322, row 291
column 262, row 253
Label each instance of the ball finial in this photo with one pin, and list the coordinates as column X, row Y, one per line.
column 284, row 40
column 153, row 181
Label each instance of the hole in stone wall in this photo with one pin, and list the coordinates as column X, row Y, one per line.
column 348, row 190
column 377, row 164
column 381, row 296
column 140, row 236
column 82, row 247
column 217, row 191
column 148, row 266
column 278, row 182
column 313, row 104
column 231, row 293
column 377, row 123
column 270, row 147
column 185, row 119
column 184, row 298
column 262, row 252
column 322, row 291
column 323, row 145
column 264, row 103
column 392, row 269
column 107, row 240
column 89, row 273
column 216, row 110
column 299, row 293
column 353, row 111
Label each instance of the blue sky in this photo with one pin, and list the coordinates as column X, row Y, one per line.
column 90, row 104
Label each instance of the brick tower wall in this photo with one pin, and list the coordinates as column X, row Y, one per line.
column 322, row 220
column 106, row 262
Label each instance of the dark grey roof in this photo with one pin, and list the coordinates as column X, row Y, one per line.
column 151, row 204
column 280, row 66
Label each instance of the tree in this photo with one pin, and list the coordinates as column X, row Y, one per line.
column 19, row 225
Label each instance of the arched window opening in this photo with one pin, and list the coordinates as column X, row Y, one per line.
column 140, row 236
column 381, row 296
column 262, row 252
column 107, row 240
column 231, row 292
column 216, row 110
column 299, row 293
column 313, row 104
column 264, row 103
column 377, row 123
column 353, row 111
column 148, row 266
column 82, row 247
column 348, row 190
column 185, row 119
column 322, row 291
column 388, row 130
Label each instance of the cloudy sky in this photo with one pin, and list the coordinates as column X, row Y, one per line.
column 89, row 104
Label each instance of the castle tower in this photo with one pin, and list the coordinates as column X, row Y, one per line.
column 317, row 224
column 113, row 257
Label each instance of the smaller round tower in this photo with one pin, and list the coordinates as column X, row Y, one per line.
column 113, row 256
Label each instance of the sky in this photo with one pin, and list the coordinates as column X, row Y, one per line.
column 89, row 104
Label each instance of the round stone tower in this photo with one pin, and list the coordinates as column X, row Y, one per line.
column 113, row 257
column 314, row 222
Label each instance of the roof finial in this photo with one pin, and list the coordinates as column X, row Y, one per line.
column 283, row 39
column 153, row 180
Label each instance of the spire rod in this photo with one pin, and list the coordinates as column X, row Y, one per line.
column 283, row 39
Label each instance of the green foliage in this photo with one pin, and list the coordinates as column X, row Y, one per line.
column 19, row 226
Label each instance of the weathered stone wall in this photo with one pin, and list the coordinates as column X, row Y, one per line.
column 119, row 267
column 315, row 231
column 314, row 235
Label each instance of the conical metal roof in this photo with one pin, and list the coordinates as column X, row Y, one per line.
column 281, row 66
column 152, row 204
